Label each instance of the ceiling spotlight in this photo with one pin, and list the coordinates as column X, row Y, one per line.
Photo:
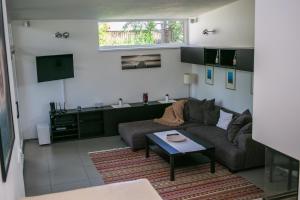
column 58, row 35
column 66, row 35
column 206, row 31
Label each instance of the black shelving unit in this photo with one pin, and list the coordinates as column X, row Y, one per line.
column 227, row 57
column 193, row 55
column 210, row 56
column 63, row 126
column 245, row 59
column 91, row 124
column 100, row 122
column 207, row 56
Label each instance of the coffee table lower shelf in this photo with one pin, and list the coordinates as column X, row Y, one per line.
column 172, row 153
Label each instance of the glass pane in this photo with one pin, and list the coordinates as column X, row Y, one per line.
column 175, row 32
column 281, row 175
column 150, row 32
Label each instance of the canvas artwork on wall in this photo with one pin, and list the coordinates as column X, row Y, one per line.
column 209, row 75
column 252, row 82
column 230, row 79
column 141, row 61
column 6, row 121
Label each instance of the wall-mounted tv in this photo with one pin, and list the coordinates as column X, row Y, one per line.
column 54, row 67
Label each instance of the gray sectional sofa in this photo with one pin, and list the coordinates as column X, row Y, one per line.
column 201, row 118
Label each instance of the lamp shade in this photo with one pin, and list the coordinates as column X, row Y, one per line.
column 187, row 79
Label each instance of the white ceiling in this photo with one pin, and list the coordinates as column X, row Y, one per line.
column 110, row 9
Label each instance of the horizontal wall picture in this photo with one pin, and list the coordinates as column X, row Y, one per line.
column 141, row 61
column 209, row 75
column 230, row 79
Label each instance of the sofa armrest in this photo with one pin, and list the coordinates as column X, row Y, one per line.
column 254, row 151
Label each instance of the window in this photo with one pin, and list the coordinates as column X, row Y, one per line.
column 147, row 33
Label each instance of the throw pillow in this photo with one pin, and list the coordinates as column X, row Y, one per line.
column 209, row 105
column 224, row 120
column 195, row 110
column 211, row 117
column 247, row 129
column 186, row 111
column 237, row 123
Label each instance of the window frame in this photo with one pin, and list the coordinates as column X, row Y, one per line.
column 145, row 47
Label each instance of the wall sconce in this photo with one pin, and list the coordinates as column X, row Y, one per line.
column 64, row 35
column 206, row 31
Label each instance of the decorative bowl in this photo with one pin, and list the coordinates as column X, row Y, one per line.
column 176, row 138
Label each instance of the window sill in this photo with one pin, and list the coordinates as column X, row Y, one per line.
column 137, row 48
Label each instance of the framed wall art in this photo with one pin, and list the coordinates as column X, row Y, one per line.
column 7, row 136
column 209, row 75
column 230, row 79
column 252, row 83
column 141, row 61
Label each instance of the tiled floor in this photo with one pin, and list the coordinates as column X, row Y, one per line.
column 65, row 166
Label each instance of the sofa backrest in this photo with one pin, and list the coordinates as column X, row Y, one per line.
column 229, row 111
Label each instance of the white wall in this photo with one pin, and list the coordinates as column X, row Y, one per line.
column 235, row 28
column 13, row 188
column 234, row 24
column 98, row 75
column 238, row 100
column 276, row 79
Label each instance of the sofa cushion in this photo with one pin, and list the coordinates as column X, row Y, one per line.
column 195, row 110
column 237, row 123
column 226, row 153
column 247, row 129
column 186, row 116
column 209, row 104
column 133, row 133
column 224, row 120
column 211, row 117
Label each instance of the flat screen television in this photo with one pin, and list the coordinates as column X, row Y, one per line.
column 54, row 67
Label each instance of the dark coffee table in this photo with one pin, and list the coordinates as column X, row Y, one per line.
column 208, row 150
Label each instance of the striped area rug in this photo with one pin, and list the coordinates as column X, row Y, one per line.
column 191, row 183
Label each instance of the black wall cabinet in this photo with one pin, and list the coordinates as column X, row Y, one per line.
column 194, row 55
column 210, row 56
column 245, row 59
column 207, row 56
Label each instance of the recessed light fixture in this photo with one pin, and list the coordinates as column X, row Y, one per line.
column 64, row 35
column 58, row 35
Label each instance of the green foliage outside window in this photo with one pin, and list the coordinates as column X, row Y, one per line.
column 103, row 32
column 140, row 33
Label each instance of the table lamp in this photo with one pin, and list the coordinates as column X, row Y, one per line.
column 187, row 80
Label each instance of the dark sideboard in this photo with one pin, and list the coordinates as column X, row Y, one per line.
column 207, row 56
column 100, row 122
